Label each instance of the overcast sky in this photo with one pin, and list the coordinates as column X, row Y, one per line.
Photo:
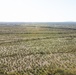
column 37, row 10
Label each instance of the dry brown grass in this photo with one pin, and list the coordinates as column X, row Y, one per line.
column 37, row 51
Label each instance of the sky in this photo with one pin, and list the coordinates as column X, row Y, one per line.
column 37, row 10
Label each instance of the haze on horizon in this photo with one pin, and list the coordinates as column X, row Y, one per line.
column 37, row 10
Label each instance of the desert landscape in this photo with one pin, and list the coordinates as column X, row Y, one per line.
column 38, row 49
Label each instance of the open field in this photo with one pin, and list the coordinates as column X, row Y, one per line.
column 37, row 50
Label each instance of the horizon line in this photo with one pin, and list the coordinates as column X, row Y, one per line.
column 30, row 22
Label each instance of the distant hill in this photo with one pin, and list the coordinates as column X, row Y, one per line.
column 54, row 24
column 11, row 23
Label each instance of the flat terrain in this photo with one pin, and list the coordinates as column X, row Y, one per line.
column 37, row 50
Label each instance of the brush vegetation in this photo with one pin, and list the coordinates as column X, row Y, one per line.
column 37, row 50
